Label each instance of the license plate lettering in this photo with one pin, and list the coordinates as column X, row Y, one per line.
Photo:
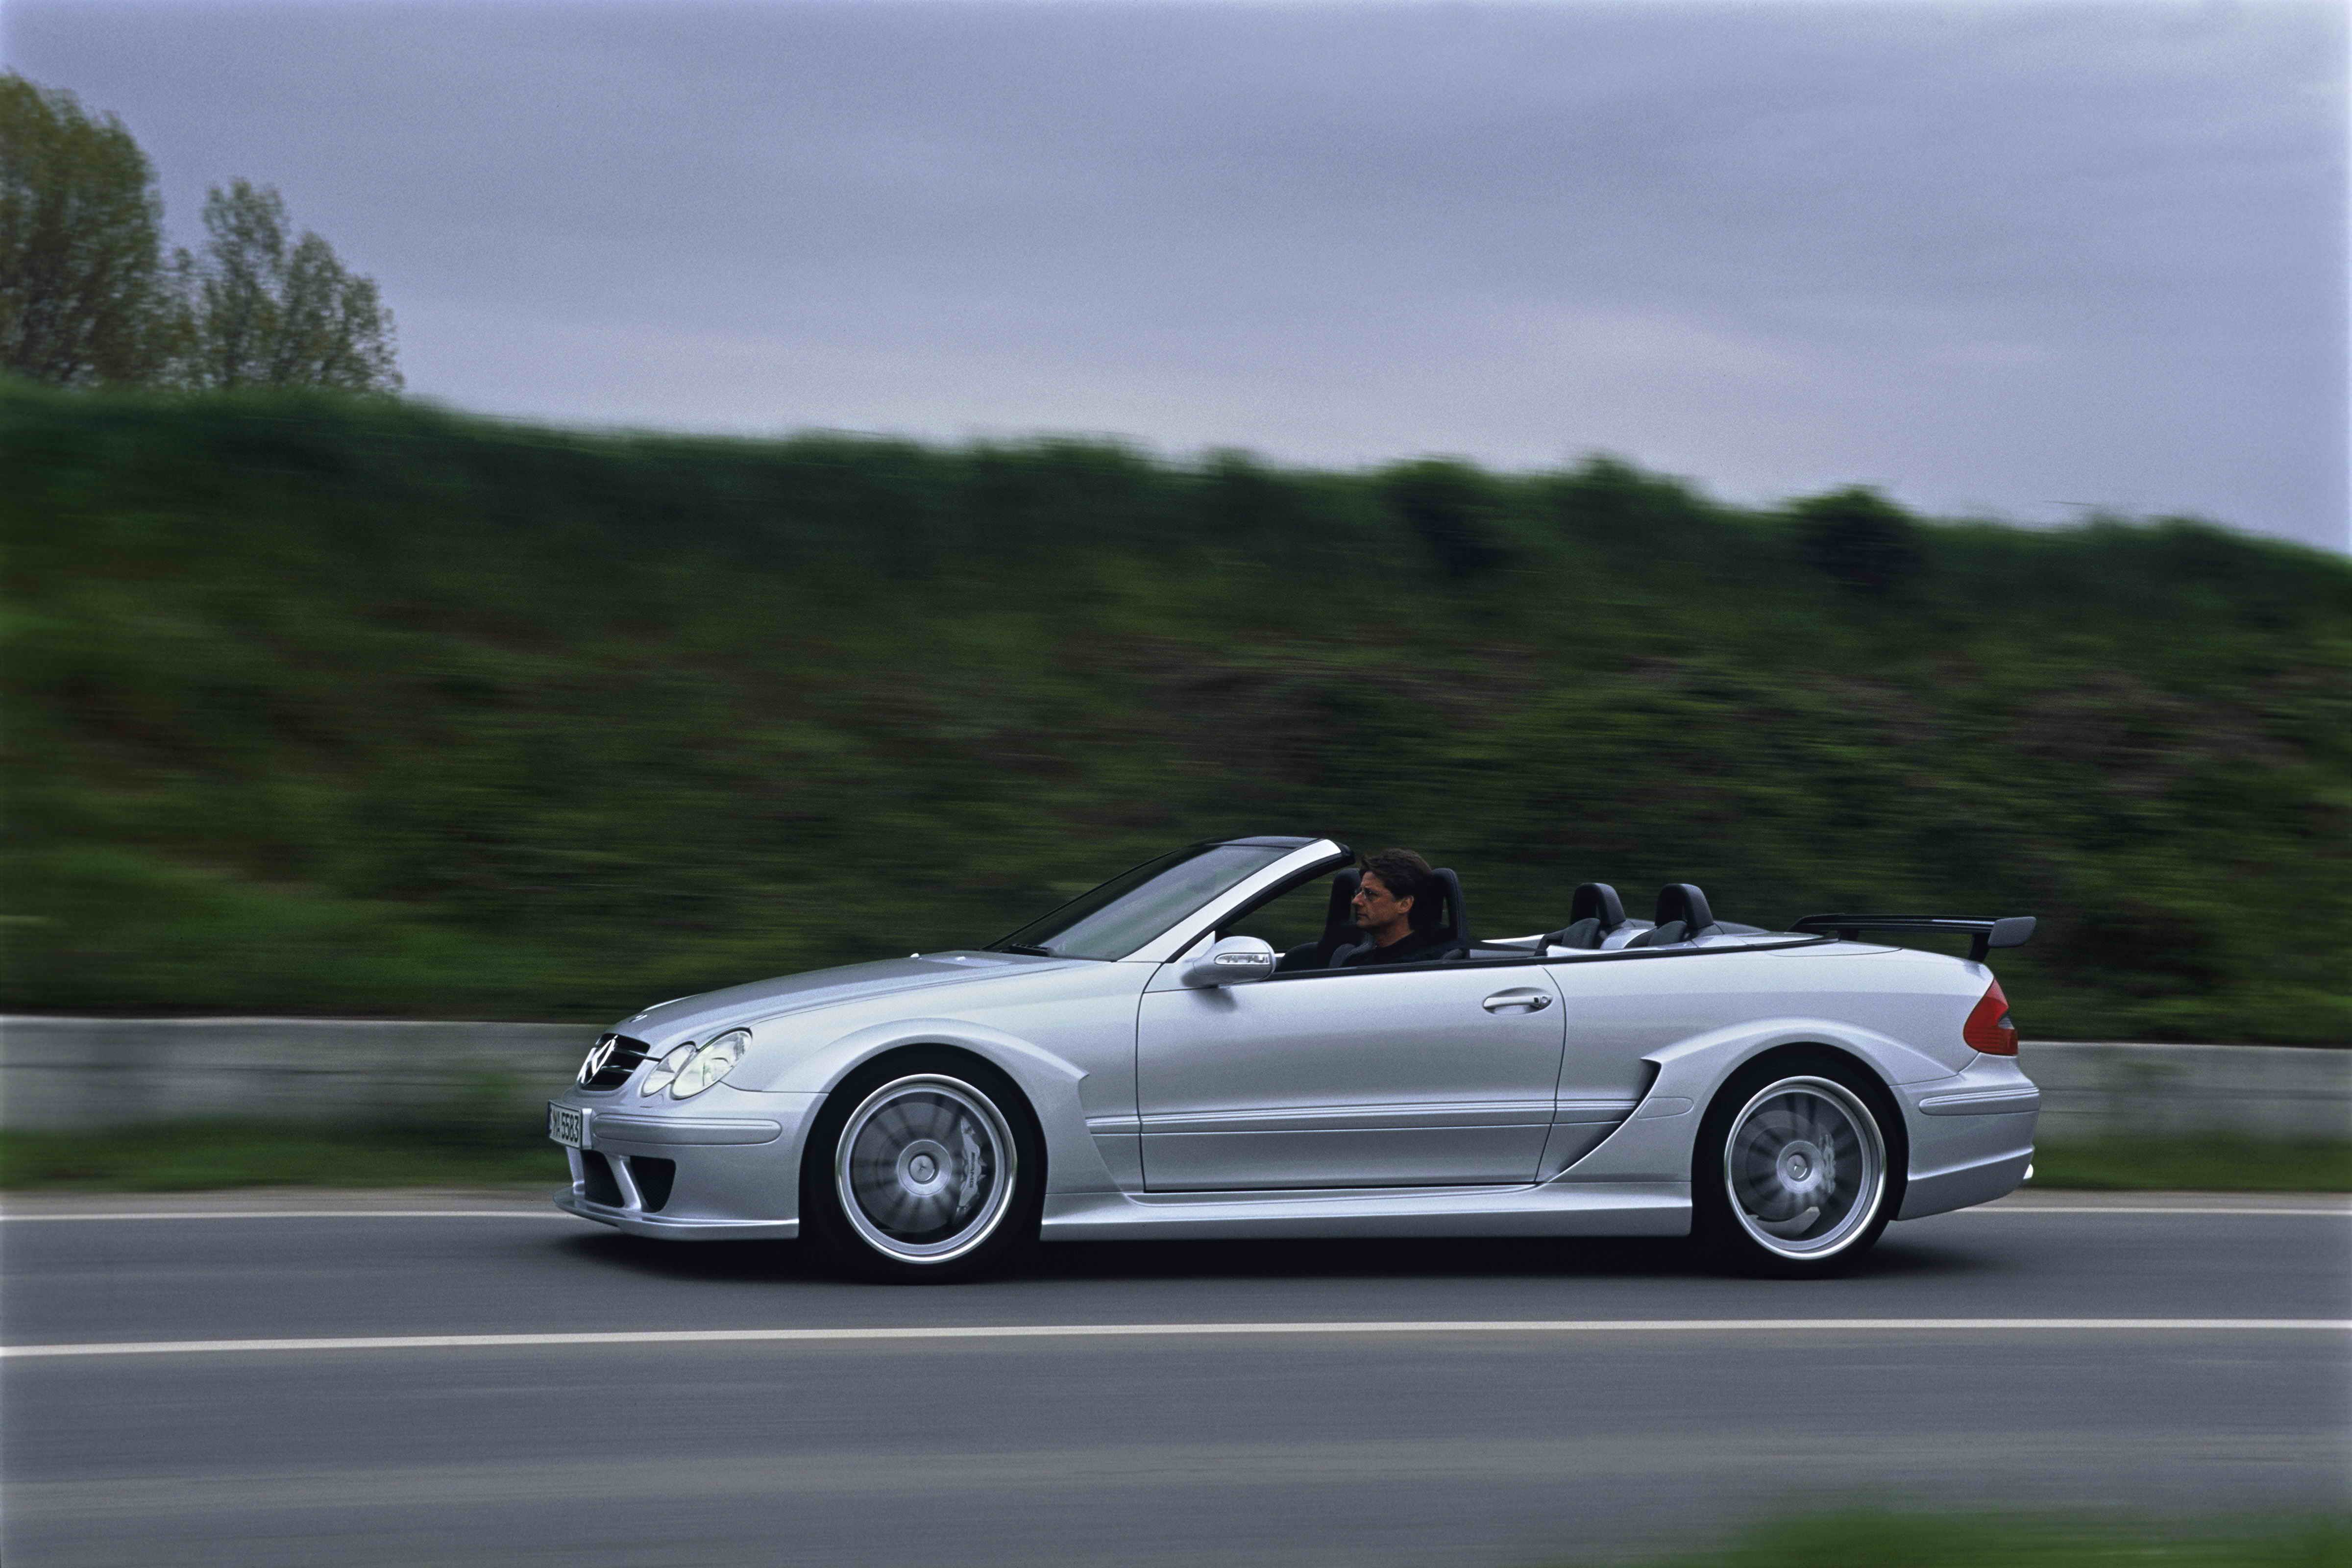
column 567, row 1125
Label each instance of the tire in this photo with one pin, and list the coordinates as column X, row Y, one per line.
column 924, row 1167
column 1798, row 1166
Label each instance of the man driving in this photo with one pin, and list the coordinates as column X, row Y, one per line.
column 1397, row 908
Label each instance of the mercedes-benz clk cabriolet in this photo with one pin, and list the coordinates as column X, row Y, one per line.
column 1145, row 1061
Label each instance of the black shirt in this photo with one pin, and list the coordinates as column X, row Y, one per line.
column 1406, row 949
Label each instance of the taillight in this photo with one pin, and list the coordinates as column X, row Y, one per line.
column 1989, row 1029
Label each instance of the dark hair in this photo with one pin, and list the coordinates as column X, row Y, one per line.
column 1408, row 875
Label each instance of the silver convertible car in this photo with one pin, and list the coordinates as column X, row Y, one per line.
column 1184, row 1052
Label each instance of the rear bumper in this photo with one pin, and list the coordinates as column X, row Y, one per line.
column 1971, row 1136
column 1977, row 1180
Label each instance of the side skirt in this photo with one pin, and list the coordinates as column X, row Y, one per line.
column 1555, row 1208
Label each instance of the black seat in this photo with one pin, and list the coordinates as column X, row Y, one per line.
column 1594, row 911
column 1339, row 928
column 1682, row 916
column 1452, row 932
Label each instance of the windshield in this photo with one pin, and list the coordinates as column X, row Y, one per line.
column 1128, row 910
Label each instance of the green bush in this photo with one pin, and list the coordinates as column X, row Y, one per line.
column 1860, row 538
column 1870, row 1540
column 336, row 706
column 2207, row 1163
column 1449, row 507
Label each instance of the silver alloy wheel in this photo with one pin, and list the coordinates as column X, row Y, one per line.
column 925, row 1169
column 1805, row 1168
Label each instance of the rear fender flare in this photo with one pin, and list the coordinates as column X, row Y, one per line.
column 1655, row 1143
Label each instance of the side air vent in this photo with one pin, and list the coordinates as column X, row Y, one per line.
column 1581, row 1125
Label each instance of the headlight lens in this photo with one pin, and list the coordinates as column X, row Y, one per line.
column 714, row 1061
column 665, row 1070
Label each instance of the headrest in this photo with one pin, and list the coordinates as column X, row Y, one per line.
column 1343, row 894
column 1597, row 902
column 1454, row 924
column 1683, row 902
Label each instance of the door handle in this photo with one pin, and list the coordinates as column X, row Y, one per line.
column 1523, row 1000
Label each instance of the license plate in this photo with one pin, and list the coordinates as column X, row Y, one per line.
column 567, row 1126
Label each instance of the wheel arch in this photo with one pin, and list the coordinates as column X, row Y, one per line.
column 1791, row 1057
column 826, row 1216
column 910, row 1052
column 1658, row 1141
column 1047, row 1085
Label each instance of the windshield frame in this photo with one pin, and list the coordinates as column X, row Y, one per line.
column 1282, row 858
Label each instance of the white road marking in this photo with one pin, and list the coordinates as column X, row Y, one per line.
column 2320, row 1211
column 675, row 1337
column 2304, row 1210
column 549, row 1213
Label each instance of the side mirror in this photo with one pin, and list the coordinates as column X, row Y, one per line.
column 1229, row 962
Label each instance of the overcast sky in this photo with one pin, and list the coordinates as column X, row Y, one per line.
column 2012, row 259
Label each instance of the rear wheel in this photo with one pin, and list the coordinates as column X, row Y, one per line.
column 923, row 1168
column 1795, row 1170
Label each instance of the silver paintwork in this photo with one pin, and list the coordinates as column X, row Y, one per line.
column 1235, row 961
column 1438, row 1100
column 1391, row 1077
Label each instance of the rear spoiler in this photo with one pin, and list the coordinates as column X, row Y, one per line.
column 2010, row 932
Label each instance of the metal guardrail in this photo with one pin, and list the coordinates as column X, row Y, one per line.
column 2269, row 1091
column 63, row 1073
column 60, row 1074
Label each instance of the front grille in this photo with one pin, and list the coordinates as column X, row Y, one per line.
column 626, row 1055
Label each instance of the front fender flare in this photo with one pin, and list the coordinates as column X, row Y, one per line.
column 1050, row 1083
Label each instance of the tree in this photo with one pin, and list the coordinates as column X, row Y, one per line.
column 256, row 311
column 81, row 244
column 86, row 299
column 1451, row 507
column 1860, row 538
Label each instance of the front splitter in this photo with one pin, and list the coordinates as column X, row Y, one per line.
column 672, row 1227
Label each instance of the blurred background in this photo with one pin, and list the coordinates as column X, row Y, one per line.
column 368, row 709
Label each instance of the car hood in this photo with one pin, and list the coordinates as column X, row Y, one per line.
column 699, row 1016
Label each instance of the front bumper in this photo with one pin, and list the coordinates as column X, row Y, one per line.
column 728, row 1171
column 672, row 1227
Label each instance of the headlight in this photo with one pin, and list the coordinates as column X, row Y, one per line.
column 712, row 1063
column 665, row 1070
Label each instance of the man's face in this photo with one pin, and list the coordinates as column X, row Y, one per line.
column 1376, row 907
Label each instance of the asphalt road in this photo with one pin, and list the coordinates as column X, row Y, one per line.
column 1603, row 1433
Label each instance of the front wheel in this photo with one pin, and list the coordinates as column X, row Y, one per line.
column 1793, row 1173
column 923, row 1170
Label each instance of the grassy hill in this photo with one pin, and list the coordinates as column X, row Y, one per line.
column 324, row 707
